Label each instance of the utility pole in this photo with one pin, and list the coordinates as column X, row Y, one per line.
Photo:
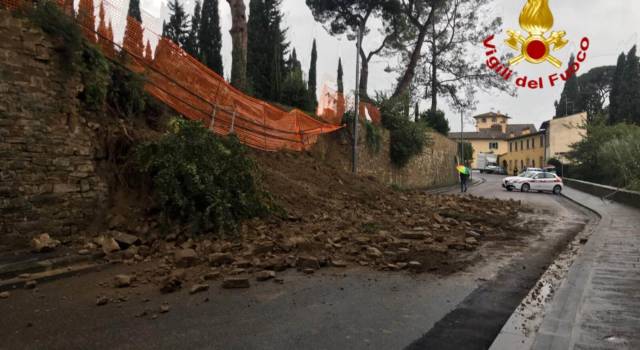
column 461, row 139
column 355, row 122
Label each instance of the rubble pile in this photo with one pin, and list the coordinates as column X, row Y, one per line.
column 414, row 232
column 332, row 219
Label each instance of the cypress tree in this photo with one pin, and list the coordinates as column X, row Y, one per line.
column 258, row 50
column 210, row 38
column 102, row 30
column 340, row 77
column 148, row 53
column 295, row 91
column 68, row 8
column 570, row 100
column 134, row 10
column 133, row 31
column 177, row 29
column 87, row 19
column 630, row 96
column 616, row 91
column 313, row 98
column 266, row 49
column 193, row 46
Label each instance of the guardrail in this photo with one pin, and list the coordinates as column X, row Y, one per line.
column 627, row 197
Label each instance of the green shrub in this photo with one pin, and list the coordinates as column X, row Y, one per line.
column 408, row 139
column 48, row 16
column 79, row 55
column 406, row 142
column 436, row 121
column 373, row 137
column 392, row 111
column 201, row 179
column 596, row 156
column 96, row 78
column 126, row 91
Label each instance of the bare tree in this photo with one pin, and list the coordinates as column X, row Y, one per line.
column 444, row 46
column 239, row 38
column 353, row 16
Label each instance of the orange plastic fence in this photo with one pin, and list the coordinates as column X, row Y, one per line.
column 332, row 106
column 188, row 86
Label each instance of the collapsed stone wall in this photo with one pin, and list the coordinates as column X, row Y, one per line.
column 435, row 167
column 48, row 177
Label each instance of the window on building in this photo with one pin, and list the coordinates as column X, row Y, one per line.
column 484, row 120
column 527, row 143
column 542, row 141
column 521, row 145
column 533, row 143
column 533, row 163
column 510, row 146
column 494, row 119
column 493, row 145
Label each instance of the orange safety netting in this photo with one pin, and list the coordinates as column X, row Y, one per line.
column 188, row 86
column 332, row 106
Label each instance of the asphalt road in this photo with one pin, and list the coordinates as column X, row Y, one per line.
column 333, row 309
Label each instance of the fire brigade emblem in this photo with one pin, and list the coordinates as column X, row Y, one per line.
column 536, row 19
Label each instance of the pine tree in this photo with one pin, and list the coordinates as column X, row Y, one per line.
column 133, row 31
column 210, row 37
column 177, row 29
column 313, row 98
column 616, row 91
column 193, row 46
column 340, row 77
column 570, row 100
column 87, row 19
column 630, row 92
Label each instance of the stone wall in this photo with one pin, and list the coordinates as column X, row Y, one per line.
column 435, row 167
column 48, row 179
column 619, row 195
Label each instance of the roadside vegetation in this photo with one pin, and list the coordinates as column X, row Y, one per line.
column 198, row 180
column 202, row 180
column 609, row 152
column 608, row 155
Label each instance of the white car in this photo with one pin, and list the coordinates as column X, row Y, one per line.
column 534, row 181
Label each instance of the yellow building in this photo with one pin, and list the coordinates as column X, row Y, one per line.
column 491, row 135
column 564, row 132
column 525, row 151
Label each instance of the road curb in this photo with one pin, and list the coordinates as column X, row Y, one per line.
column 46, row 269
column 51, row 275
column 446, row 189
column 582, row 205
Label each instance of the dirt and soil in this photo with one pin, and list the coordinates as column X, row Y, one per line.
column 331, row 219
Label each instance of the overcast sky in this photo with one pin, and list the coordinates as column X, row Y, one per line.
column 611, row 26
